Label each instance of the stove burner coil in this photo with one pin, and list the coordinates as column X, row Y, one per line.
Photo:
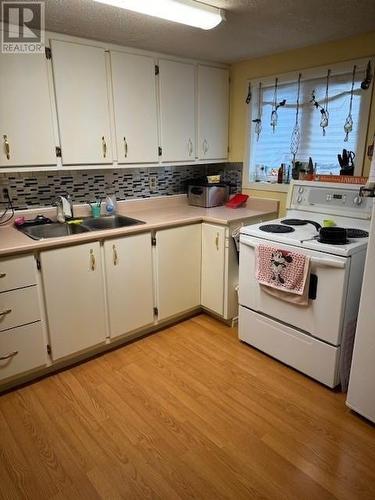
column 276, row 228
column 356, row 233
column 294, row 222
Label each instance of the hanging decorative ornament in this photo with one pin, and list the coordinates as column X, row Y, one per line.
column 348, row 125
column 274, row 107
column 258, row 120
column 324, row 119
column 296, row 134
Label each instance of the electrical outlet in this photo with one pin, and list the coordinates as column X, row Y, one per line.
column 4, row 194
column 153, row 182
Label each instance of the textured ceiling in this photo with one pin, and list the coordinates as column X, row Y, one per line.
column 253, row 27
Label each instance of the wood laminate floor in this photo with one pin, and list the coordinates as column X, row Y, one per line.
column 188, row 412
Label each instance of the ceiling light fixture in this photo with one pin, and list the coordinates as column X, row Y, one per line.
column 188, row 12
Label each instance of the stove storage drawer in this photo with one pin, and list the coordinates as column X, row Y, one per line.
column 298, row 350
column 323, row 316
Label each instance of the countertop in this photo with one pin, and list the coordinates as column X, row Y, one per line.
column 157, row 213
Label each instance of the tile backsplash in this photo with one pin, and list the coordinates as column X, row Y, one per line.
column 30, row 190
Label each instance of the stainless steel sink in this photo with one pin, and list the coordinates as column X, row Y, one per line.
column 109, row 222
column 55, row 230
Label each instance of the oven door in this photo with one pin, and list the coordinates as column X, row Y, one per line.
column 323, row 316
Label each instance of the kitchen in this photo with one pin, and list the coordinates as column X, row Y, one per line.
column 124, row 373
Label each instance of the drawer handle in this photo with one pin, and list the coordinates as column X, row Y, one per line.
column 7, row 311
column 8, row 356
column 2, row 275
column 115, row 255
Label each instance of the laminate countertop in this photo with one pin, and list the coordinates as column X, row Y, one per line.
column 157, row 213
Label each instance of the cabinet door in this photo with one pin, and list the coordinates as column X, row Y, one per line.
column 178, row 269
column 213, row 267
column 82, row 103
column 213, row 110
column 128, row 265
column 25, row 111
column 177, row 110
column 74, row 295
column 134, row 95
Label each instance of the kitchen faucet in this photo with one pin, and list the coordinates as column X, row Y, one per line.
column 64, row 208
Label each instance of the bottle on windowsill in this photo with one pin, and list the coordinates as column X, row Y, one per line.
column 280, row 174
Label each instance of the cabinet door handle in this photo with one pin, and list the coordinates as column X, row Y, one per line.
column 217, row 241
column 7, row 311
column 190, row 147
column 6, row 146
column 115, row 255
column 2, row 275
column 104, row 146
column 92, row 260
column 9, row 355
column 205, row 146
column 125, row 147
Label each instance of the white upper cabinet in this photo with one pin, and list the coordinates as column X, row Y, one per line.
column 82, row 103
column 135, row 108
column 213, row 110
column 177, row 110
column 26, row 125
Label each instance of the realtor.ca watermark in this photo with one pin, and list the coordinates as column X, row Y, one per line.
column 22, row 27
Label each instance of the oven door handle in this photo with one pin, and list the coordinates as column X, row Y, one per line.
column 318, row 261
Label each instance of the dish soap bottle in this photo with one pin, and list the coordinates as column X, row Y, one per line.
column 110, row 202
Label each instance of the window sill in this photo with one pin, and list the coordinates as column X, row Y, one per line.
column 267, row 186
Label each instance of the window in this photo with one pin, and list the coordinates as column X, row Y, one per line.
column 266, row 153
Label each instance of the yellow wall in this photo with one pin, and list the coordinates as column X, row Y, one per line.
column 308, row 57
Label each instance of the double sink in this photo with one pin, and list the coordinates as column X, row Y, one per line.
column 57, row 229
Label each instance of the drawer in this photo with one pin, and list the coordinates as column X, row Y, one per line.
column 17, row 272
column 23, row 349
column 304, row 353
column 19, row 307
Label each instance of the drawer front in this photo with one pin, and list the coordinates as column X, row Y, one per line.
column 19, row 307
column 304, row 353
column 17, row 272
column 23, row 349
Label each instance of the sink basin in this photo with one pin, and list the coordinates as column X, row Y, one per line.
column 109, row 222
column 55, row 230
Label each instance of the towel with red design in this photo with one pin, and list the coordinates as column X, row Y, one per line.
column 282, row 269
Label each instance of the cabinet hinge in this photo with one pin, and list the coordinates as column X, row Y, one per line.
column 160, row 151
column 58, row 152
column 156, row 311
column 49, row 350
column 153, row 241
column 156, row 69
column 38, row 264
column 48, row 52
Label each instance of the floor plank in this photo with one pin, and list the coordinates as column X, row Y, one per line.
column 188, row 412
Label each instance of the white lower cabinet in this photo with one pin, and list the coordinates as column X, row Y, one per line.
column 178, row 269
column 213, row 267
column 129, row 277
column 74, row 297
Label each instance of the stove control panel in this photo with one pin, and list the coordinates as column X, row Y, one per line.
column 339, row 199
